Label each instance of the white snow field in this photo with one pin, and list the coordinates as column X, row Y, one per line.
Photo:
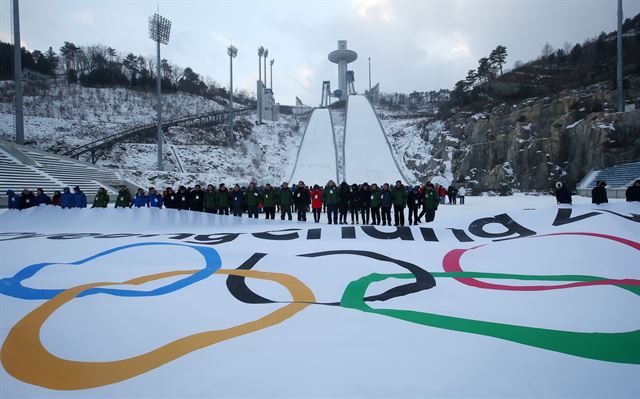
column 316, row 160
column 504, row 297
column 366, row 152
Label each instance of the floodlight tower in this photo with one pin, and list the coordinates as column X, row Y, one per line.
column 233, row 52
column 271, row 73
column 17, row 59
column 159, row 30
column 259, row 85
column 342, row 57
column 619, row 81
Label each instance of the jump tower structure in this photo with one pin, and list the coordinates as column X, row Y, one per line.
column 342, row 56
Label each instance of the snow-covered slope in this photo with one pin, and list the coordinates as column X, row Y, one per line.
column 316, row 161
column 505, row 303
column 367, row 154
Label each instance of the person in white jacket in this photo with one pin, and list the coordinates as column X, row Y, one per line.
column 461, row 194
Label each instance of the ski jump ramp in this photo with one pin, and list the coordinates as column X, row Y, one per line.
column 316, row 159
column 367, row 153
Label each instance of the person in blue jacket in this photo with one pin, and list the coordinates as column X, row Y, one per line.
column 139, row 200
column 42, row 198
column 13, row 200
column 80, row 198
column 154, row 199
column 67, row 200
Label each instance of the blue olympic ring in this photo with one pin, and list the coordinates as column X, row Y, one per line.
column 13, row 287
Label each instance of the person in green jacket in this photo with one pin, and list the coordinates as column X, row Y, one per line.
column 269, row 202
column 331, row 197
column 431, row 201
column 285, row 199
column 210, row 200
column 399, row 194
column 124, row 197
column 376, row 201
column 101, row 199
column 252, row 198
column 223, row 200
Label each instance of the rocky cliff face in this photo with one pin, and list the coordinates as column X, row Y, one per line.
column 532, row 144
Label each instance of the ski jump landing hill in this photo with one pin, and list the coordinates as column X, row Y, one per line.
column 367, row 152
column 316, row 161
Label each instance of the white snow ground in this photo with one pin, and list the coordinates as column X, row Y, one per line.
column 322, row 351
column 367, row 154
column 316, row 161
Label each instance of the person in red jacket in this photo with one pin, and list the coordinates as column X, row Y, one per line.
column 316, row 202
column 442, row 193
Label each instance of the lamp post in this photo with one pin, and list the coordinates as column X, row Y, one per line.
column 619, row 83
column 259, row 85
column 369, row 76
column 159, row 30
column 271, row 73
column 266, row 54
column 233, row 52
column 17, row 64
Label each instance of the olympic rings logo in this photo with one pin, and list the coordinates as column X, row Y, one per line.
column 23, row 349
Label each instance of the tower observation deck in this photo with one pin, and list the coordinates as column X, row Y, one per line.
column 342, row 56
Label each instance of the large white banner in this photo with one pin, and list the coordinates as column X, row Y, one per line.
column 148, row 303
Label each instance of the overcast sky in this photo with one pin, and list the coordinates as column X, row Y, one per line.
column 413, row 45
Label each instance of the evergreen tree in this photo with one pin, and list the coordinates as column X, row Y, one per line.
column 498, row 57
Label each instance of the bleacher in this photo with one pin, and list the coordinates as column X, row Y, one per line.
column 618, row 178
column 22, row 167
column 72, row 173
column 16, row 176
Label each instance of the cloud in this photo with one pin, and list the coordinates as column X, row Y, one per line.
column 222, row 39
column 85, row 17
column 443, row 48
column 7, row 37
column 304, row 76
column 378, row 9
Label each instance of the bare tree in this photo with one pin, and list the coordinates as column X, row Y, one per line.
column 547, row 50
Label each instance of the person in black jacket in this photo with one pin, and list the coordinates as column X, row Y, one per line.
column 452, row 193
column 27, row 199
column 196, row 199
column 633, row 192
column 354, row 202
column 599, row 193
column 413, row 205
column 170, row 199
column 183, row 198
column 237, row 201
column 386, row 200
column 365, row 203
column 563, row 195
column 301, row 199
column 343, row 202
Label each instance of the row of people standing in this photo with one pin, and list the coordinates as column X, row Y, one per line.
column 66, row 199
column 370, row 204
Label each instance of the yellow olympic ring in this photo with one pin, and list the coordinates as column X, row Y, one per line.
column 25, row 358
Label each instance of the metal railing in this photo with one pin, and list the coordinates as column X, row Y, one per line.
column 109, row 140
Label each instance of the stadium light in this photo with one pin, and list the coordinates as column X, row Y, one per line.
column 619, row 81
column 271, row 73
column 17, row 60
column 233, row 52
column 266, row 54
column 159, row 31
column 259, row 85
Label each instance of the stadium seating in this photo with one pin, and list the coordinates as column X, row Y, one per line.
column 23, row 167
column 618, row 178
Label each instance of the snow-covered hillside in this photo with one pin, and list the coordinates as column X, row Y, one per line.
column 65, row 117
column 114, row 105
column 265, row 153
